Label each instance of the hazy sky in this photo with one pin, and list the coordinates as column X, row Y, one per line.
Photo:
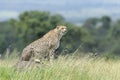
column 70, row 9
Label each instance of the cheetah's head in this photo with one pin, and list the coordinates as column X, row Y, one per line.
column 61, row 29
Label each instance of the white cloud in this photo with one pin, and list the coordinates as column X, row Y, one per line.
column 53, row 2
column 43, row 2
column 111, row 1
column 85, row 13
column 100, row 1
column 4, row 15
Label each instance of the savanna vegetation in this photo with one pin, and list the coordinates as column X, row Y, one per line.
column 96, row 35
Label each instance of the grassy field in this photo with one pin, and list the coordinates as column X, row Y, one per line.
column 65, row 69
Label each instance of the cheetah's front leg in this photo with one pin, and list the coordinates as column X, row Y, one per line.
column 51, row 55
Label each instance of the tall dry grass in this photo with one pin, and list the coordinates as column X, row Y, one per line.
column 65, row 69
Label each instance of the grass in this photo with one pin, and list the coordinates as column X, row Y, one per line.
column 65, row 69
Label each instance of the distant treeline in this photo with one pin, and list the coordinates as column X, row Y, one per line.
column 96, row 35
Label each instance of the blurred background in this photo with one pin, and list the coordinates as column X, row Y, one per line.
column 93, row 25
